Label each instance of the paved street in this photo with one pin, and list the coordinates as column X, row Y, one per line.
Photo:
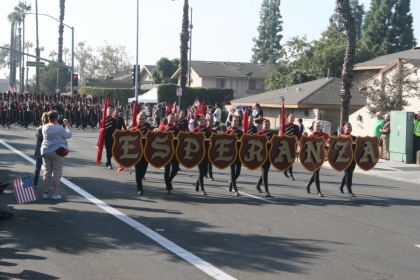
column 103, row 230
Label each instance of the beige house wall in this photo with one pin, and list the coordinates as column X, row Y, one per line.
column 364, row 126
column 145, row 78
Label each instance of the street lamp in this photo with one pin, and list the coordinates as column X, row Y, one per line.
column 72, row 44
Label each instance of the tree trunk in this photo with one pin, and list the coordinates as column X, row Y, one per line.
column 60, row 42
column 12, row 36
column 185, row 36
column 343, row 6
column 37, row 47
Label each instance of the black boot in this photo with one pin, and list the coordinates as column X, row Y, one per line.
column 258, row 189
column 285, row 174
column 230, row 186
column 341, row 188
column 196, row 186
column 308, row 188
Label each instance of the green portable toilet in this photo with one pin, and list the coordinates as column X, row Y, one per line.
column 401, row 136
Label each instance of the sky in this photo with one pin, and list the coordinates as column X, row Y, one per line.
column 222, row 29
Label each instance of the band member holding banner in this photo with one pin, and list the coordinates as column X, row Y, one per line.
column 172, row 168
column 235, row 168
column 251, row 129
column 264, row 169
column 110, row 126
column 142, row 165
column 203, row 166
column 348, row 173
column 212, row 130
column 291, row 129
column 317, row 132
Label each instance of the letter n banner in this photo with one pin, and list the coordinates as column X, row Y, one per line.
column 340, row 154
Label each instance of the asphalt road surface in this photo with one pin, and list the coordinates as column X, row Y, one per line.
column 103, row 230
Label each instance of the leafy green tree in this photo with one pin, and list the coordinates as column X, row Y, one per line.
column 113, row 59
column 392, row 95
column 48, row 78
column 267, row 47
column 358, row 11
column 388, row 27
column 164, row 69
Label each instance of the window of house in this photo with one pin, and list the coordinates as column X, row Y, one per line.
column 221, row 83
column 256, row 84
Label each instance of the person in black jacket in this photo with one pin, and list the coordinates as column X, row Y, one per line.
column 110, row 126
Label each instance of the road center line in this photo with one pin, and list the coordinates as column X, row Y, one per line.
column 166, row 243
column 256, row 197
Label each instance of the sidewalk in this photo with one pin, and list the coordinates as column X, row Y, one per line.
column 392, row 170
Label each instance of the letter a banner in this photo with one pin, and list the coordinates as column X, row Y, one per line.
column 190, row 150
column 367, row 152
column 253, row 152
column 340, row 154
column 127, row 148
column 312, row 153
column 283, row 151
column 223, row 150
column 159, row 148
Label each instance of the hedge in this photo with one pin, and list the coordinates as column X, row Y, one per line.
column 122, row 94
column 211, row 96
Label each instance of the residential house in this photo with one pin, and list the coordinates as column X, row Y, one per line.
column 244, row 78
column 364, row 71
column 315, row 100
column 114, row 80
column 361, row 119
column 146, row 74
column 4, row 85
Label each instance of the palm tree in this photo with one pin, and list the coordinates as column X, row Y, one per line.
column 22, row 7
column 60, row 40
column 13, row 18
column 37, row 50
column 28, row 45
column 65, row 51
column 52, row 54
column 185, row 37
column 343, row 6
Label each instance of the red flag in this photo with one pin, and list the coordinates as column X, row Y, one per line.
column 175, row 109
column 168, row 109
column 101, row 138
column 245, row 121
column 283, row 120
column 197, row 102
column 134, row 117
column 201, row 109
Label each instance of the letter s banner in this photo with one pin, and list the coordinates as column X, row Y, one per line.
column 159, row 148
column 127, row 149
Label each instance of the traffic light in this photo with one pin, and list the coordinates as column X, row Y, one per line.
column 75, row 80
column 133, row 74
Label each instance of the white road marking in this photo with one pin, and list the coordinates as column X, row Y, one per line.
column 95, row 147
column 70, row 139
column 166, row 243
column 256, row 197
column 417, row 246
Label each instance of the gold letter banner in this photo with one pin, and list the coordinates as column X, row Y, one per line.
column 127, row 148
column 223, row 150
column 253, row 151
column 159, row 148
column 190, row 150
column 340, row 154
column 367, row 152
column 283, row 151
column 312, row 153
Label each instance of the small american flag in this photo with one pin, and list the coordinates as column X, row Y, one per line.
column 197, row 102
column 24, row 190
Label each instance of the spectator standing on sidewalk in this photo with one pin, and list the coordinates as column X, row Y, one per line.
column 217, row 114
column 416, row 134
column 379, row 124
column 385, row 136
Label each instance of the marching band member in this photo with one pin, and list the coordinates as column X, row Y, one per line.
column 110, row 126
column 142, row 165
column 348, row 173
column 213, row 129
column 315, row 175
column 203, row 166
column 252, row 129
column 291, row 129
column 235, row 168
column 171, row 169
column 266, row 166
column 120, row 121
